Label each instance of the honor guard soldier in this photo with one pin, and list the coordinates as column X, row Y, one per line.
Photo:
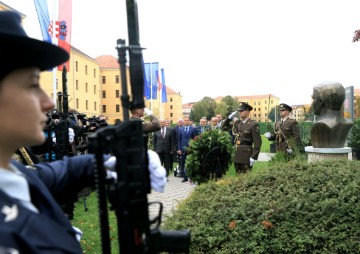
column 285, row 130
column 31, row 221
column 247, row 138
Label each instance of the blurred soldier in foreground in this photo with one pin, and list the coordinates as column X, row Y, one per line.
column 31, row 220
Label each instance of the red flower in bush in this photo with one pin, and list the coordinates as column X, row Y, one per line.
column 267, row 224
column 232, row 224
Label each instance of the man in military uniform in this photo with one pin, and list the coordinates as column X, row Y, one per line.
column 247, row 138
column 138, row 112
column 285, row 130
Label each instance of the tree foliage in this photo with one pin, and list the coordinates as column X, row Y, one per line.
column 232, row 104
column 221, row 108
column 205, row 107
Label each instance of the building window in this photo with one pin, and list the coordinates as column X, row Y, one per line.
column 86, row 69
column 77, row 84
column 76, row 66
column 265, row 114
column 56, row 82
column 95, row 105
column 94, row 89
column 117, row 79
column 259, row 109
column 171, row 106
column 117, row 93
column 259, row 115
column 171, row 114
column 171, row 99
column 254, row 115
column 104, row 108
column 94, row 73
column 254, row 109
column 103, row 79
column 255, row 103
column 104, row 94
column 117, row 108
column 265, row 108
column 259, row 103
column 86, row 104
column 77, row 103
column 86, row 87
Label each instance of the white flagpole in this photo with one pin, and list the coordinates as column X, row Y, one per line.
column 151, row 88
column 160, row 95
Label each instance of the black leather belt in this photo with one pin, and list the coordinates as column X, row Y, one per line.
column 246, row 143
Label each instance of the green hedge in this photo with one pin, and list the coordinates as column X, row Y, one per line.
column 292, row 207
column 304, row 128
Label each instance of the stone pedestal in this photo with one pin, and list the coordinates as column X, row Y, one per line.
column 318, row 154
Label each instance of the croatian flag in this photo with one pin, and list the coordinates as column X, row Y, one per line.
column 56, row 29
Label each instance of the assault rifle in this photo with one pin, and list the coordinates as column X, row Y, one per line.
column 62, row 127
column 128, row 193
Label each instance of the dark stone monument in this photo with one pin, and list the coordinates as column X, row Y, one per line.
column 329, row 132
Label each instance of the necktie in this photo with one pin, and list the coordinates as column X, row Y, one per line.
column 162, row 133
column 186, row 130
column 202, row 129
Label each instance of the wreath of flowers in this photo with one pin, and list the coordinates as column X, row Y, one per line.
column 209, row 156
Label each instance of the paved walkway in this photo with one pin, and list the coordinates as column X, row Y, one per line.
column 176, row 191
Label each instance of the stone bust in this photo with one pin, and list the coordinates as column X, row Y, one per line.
column 331, row 128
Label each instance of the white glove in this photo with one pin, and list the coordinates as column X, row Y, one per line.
column 289, row 151
column 231, row 116
column 148, row 111
column 268, row 134
column 252, row 161
column 71, row 135
column 78, row 233
column 157, row 172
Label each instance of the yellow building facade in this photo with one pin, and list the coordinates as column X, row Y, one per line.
column 262, row 105
column 83, row 87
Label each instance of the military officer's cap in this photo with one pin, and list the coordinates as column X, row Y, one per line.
column 284, row 106
column 132, row 106
column 244, row 106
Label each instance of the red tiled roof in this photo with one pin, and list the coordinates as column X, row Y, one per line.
column 108, row 61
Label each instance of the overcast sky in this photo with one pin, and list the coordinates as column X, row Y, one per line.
column 228, row 47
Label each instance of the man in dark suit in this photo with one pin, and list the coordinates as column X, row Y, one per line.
column 203, row 126
column 185, row 135
column 176, row 132
column 163, row 145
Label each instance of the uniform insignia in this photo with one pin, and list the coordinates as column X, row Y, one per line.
column 11, row 213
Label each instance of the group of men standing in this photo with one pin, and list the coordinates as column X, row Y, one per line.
column 171, row 143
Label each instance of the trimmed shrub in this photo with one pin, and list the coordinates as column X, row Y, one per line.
column 292, row 207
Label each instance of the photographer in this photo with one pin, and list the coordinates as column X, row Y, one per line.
column 31, row 220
